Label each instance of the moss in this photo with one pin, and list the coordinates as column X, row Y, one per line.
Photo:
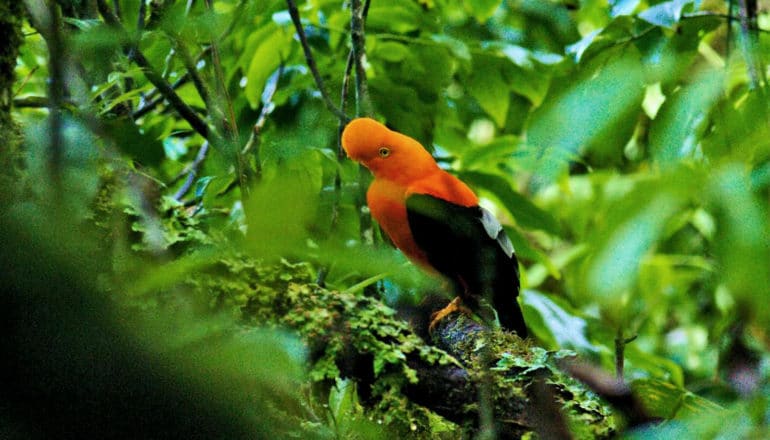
column 344, row 333
column 340, row 328
column 516, row 364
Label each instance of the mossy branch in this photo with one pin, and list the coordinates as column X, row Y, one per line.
column 358, row 337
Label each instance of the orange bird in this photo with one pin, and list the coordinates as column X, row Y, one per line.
column 436, row 220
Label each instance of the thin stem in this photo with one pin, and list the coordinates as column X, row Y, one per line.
column 193, row 172
column 358, row 41
column 148, row 107
column 294, row 13
column 620, row 350
column 324, row 271
column 192, row 70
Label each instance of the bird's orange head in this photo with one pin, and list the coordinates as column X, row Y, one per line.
column 387, row 153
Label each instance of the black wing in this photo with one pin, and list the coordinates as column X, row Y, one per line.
column 469, row 246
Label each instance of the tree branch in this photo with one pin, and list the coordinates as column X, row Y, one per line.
column 155, row 101
column 198, row 124
column 46, row 18
column 294, row 13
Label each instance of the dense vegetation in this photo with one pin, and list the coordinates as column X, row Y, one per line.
column 185, row 244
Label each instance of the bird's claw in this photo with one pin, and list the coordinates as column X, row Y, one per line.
column 456, row 305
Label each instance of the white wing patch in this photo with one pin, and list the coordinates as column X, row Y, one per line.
column 495, row 230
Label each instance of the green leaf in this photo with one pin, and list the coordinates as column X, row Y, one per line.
column 556, row 322
column 482, row 10
column 134, row 143
column 201, row 185
column 595, row 112
column 267, row 49
column 390, row 51
column 458, row 47
column 675, row 132
column 623, row 7
column 525, row 212
column 666, row 14
column 595, row 42
column 667, row 401
column 743, row 244
column 499, row 150
column 490, row 88
column 400, row 18
column 636, row 226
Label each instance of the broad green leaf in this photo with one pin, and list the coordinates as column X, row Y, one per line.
column 391, row 51
column 668, row 56
column 399, row 18
column 595, row 113
column 599, row 40
column 623, row 7
column 499, row 150
column 666, row 14
column 667, row 401
column 482, row 10
column 675, row 131
column 272, row 49
column 743, row 244
column 557, row 322
column 489, row 87
column 458, row 47
column 641, row 364
column 525, row 212
column 635, row 224
column 528, row 78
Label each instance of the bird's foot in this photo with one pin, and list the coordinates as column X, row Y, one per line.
column 455, row 306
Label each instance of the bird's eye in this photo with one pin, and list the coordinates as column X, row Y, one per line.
column 384, row 152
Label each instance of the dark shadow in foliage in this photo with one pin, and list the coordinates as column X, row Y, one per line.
column 69, row 371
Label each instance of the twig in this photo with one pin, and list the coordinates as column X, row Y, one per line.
column 271, row 86
column 358, row 41
column 294, row 13
column 192, row 70
column 26, row 80
column 193, row 171
column 148, row 107
column 363, row 107
column 324, row 270
column 157, row 80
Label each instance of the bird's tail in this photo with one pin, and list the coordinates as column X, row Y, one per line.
column 512, row 319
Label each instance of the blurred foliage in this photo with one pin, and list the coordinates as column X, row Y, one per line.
column 625, row 145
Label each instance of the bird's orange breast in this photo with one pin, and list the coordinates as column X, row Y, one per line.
column 386, row 200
